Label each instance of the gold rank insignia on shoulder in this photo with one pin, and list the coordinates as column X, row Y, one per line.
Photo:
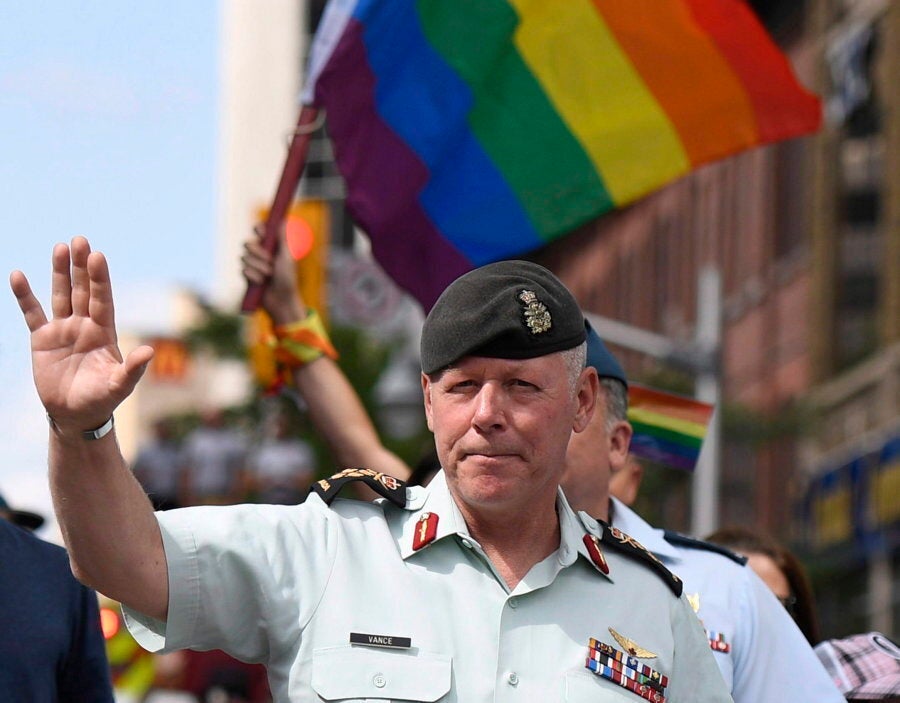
column 384, row 485
column 537, row 316
column 628, row 545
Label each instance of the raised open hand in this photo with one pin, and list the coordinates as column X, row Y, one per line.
column 79, row 372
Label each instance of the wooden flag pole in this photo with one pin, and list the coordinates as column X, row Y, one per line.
column 284, row 194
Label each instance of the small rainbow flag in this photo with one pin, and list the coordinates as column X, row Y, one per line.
column 668, row 428
column 470, row 131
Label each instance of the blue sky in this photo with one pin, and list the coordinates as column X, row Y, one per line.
column 108, row 128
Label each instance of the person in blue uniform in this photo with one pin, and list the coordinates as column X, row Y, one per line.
column 482, row 586
column 51, row 645
column 761, row 653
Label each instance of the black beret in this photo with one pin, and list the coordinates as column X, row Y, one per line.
column 602, row 358
column 22, row 518
column 504, row 310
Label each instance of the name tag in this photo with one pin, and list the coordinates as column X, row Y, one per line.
column 391, row 641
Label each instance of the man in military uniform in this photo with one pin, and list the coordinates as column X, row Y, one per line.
column 761, row 652
column 483, row 586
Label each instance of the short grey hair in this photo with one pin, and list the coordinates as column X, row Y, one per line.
column 616, row 401
column 575, row 359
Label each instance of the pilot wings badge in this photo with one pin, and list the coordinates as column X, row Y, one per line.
column 631, row 646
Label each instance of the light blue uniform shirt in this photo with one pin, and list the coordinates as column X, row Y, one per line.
column 289, row 585
column 768, row 658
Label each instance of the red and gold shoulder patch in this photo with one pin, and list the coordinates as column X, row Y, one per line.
column 592, row 544
column 426, row 531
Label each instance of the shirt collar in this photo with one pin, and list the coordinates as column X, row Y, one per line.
column 434, row 499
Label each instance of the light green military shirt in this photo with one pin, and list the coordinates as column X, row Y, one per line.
column 340, row 606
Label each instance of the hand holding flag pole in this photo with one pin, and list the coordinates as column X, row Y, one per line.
column 284, row 194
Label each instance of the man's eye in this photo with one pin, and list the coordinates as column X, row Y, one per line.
column 523, row 384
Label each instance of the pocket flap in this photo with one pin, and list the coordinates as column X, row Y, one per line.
column 361, row 672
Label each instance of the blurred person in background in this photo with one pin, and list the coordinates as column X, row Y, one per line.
column 865, row 667
column 158, row 467
column 213, row 462
column 281, row 466
column 51, row 644
column 780, row 570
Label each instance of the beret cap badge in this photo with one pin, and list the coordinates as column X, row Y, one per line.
column 537, row 317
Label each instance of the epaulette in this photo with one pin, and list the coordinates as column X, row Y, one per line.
column 629, row 546
column 680, row 540
column 383, row 484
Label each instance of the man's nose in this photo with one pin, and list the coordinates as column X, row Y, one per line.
column 489, row 407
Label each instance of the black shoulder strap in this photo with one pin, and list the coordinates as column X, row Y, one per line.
column 384, row 485
column 680, row 540
column 629, row 546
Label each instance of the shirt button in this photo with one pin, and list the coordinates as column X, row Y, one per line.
column 513, row 678
column 467, row 544
column 513, row 603
column 379, row 681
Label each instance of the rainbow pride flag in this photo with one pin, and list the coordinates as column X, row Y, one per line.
column 668, row 428
column 470, row 131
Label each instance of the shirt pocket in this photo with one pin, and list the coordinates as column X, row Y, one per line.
column 586, row 687
column 348, row 673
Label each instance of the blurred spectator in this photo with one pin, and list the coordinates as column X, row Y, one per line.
column 158, row 467
column 51, row 645
column 864, row 667
column 213, row 462
column 187, row 676
column 281, row 467
column 781, row 571
column 215, row 677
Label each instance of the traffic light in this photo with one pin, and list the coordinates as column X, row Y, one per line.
column 307, row 235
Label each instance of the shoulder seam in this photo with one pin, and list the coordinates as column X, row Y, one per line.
column 680, row 540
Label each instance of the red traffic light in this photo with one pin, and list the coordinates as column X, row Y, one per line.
column 299, row 236
column 109, row 623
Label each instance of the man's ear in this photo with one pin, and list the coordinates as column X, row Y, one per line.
column 588, row 396
column 619, row 441
column 426, row 396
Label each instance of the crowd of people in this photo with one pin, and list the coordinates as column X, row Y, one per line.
column 522, row 523
column 217, row 463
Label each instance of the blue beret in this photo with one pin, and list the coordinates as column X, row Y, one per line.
column 504, row 310
column 602, row 358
